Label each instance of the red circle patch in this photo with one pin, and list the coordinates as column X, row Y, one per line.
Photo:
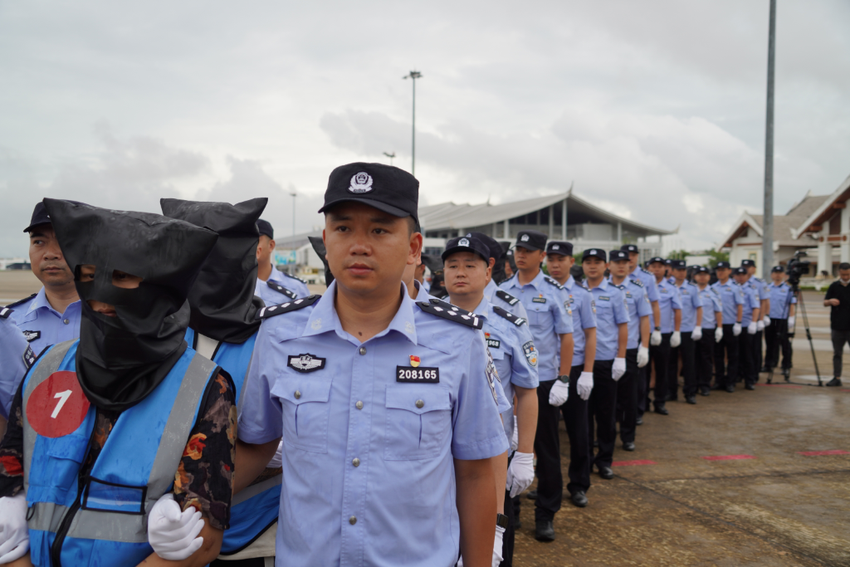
column 57, row 406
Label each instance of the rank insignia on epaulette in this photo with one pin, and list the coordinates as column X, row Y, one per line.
column 553, row 281
column 5, row 312
column 273, row 310
column 637, row 282
column 507, row 297
column 280, row 289
column 450, row 312
column 518, row 321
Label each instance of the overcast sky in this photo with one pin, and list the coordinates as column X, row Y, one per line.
column 653, row 109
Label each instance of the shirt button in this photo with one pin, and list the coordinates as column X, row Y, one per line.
column 359, row 405
column 297, row 395
column 362, row 350
column 352, row 520
column 66, row 321
column 356, row 462
column 419, row 404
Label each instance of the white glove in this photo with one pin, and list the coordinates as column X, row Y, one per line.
column 655, row 338
column 642, row 356
column 585, row 385
column 760, row 326
column 766, row 321
column 675, row 339
column 559, row 393
column 752, row 328
column 174, row 534
column 618, row 369
column 696, row 334
column 497, row 546
column 736, row 329
column 718, row 334
column 14, row 534
column 520, row 473
column 277, row 460
column 791, row 321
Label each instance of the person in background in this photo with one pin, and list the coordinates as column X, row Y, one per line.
column 16, row 357
column 712, row 329
column 783, row 305
column 274, row 286
column 670, row 307
column 750, row 320
column 838, row 299
column 726, row 355
column 691, row 330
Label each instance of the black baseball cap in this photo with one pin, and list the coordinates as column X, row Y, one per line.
column 384, row 187
column 594, row 253
column 678, row 264
column 618, row 255
column 630, row 248
column 655, row 259
column 531, row 240
column 722, row 264
column 748, row 263
column 264, row 227
column 701, row 270
column 740, row 271
column 467, row 243
column 561, row 247
column 779, row 269
column 39, row 216
column 495, row 248
column 668, row 262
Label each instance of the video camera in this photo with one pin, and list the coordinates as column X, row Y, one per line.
column 797, row 268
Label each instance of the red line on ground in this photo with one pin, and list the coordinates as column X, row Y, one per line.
column 782, row 385
column 631, row 463
column 817, row 453
column 729, row 457
column 845, row 390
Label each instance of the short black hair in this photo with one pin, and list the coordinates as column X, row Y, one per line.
column 844, row 266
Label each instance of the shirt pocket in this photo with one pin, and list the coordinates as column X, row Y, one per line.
column 305, row 405
column 540, row 319
column 419, row 419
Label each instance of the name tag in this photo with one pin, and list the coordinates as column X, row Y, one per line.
column 604, row 298
column 417, row 375
column 494, row 343
column 539, row 300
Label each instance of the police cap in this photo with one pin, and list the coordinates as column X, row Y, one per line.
column 561, row 247
column 618, row 255
column 630, row 248
column 740, row 271
column 39, row 216
column 778, row 269
column 467, row 243
column 748, row 263
column 722, row 264
column 657, row 259
column 594, row 253
column 531, row 240
column 384, row 187
column 264, row 227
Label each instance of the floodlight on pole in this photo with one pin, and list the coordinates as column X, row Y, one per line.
column 390, row 155
column 413, row 75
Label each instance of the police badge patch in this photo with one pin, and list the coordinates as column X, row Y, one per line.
column 306, row 363
column 492, row 375
column 31, row 336
column 530, row 352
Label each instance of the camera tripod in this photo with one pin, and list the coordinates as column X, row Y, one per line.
column 798, row 294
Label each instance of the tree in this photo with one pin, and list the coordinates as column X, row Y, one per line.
column 717, row 256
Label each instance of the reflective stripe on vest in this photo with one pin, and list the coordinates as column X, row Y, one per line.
column 110, row 525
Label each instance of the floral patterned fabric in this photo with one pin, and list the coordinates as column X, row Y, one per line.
column 204, row 478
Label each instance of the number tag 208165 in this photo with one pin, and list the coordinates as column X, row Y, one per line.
column 417, row 375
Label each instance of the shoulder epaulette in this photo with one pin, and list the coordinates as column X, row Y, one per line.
column 508, row 279
column 451, row 312
column 637, row 282
column 553, row 282
column 280, row 289
column 24, row 300
column 507, row 297
column 518, row 321
column 645, row 271
column 5, row 312
column 293, row 277
column 273, row 310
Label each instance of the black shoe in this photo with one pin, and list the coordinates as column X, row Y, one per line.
column 579, row 498
column 639, row 420
column 749, row 386
column 661, row 410
column 517, row 524
column 705, row 392
column 628, row 446
column 605, row 472
column 717, row 387
column 765, row 369
column 691, row 399
column 730, row 388
column 544, row 531
column 834, row 382
column 532, row 495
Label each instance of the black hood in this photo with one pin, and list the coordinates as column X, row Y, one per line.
column 222, row 299
column 319, row 246
column 121, row 359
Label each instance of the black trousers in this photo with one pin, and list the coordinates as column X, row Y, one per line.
column 673, row 372
column 642, row 380
column 550, row 483
column 659, row 357
column 776, row 338
column 703, row 358
column 686, row 350
column 603, row 410
column 838, row 340
column 758, row 358
column 575, row 420
column 747, row 371
column 627, row 397
column 510, row 532
column 726, row 350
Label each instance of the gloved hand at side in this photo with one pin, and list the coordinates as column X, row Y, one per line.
column 173, row 533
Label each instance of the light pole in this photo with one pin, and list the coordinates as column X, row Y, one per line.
column 767, row 237
column 413, row 75
column 292, row 269
column 390, row 155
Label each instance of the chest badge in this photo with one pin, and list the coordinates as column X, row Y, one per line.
column 415, row 361
column 492, row 343
column 530, row 352
column 306, row 363
column 31, row 336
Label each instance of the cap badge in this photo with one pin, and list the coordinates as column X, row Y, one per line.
column 463, row 242
column 593, row 252
column 414, row 361
column 361, row 183
column 524, row 238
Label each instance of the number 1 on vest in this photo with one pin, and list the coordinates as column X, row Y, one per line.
column 63, row 397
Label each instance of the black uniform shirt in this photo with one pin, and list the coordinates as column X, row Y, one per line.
column 839, row 318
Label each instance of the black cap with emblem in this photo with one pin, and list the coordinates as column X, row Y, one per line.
column 467, row 243
column 384, row 187
column 656, row 259
column 777, row 269
column 748, row 263
column 678, row 265
column 630, row 248
column 618, row 256
column 39, row 216
column 561, row 247
column 594, row 253
column 701, row 270
column 264, row 227
column 740, row 271
column 531, row 240
column 722, row 264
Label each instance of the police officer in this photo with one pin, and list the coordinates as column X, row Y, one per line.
column 386, row 407
column 763, row 294
column 670, row 307
column 492, row 292
column 732, row 299
column 712, row 329
column 274, row 286
column 52, row 315
column 559, row 262
column 691, row 330
column 16, row 357
column 467, row 266
column 750, row 320
column 612, row 336
column 550, row 320
column 637, row 348
column 783, row 305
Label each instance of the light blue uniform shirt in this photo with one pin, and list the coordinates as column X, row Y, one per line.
column 611, row 311
column 513, row 352
column 648, row 281
column 731, row 296
column 668, row 302
column 710, row 305
column 271, row 296
column 761, row 287
column 44, row 326
column 512, row 305
column 584, row 317
column 546, row 303
column 639, row 306
column 691, row 301
column 13, row 353
column 751, row 301
column 368, row 443
column 781, row 299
